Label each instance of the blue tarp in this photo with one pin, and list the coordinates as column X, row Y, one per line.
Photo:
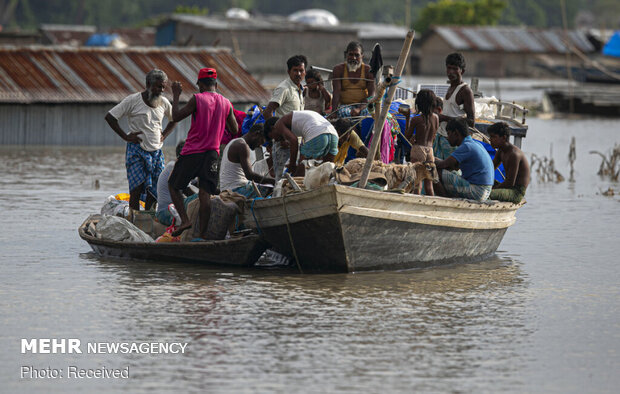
column 612, row 48
column 256, row 117
column 100, row 40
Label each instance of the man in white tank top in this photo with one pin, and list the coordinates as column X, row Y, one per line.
column 236, row 170
column 458, row 103
column 320, row 138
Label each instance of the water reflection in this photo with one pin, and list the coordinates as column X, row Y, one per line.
column 537, row 317
column 268, row 323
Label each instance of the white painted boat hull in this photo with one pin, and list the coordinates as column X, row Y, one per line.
column 343, row 229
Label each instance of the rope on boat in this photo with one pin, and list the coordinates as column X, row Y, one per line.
column 254, row 215
column 290, row 235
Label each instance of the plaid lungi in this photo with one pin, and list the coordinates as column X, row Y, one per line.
column 143, row 167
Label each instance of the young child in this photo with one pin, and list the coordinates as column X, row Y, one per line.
column 441, row 147
column 425, row 127
column 316, row 97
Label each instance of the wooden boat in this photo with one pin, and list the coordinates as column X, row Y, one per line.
column 339, row 228
column 235, row 251
column 587, row 99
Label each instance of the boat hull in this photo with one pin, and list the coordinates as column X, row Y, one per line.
column 343, row 229
column 242, row 251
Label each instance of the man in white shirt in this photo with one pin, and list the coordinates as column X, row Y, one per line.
column 288, row 96
column 144, row 158
column 320, row 138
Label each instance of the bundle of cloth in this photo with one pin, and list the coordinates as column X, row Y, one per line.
column 407, row 177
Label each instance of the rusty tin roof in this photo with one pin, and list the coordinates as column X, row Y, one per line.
column 512, row 39
column 61, row 74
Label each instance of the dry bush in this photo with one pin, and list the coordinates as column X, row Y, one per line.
column 609, row 164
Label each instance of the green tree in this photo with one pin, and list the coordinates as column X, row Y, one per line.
column 460, row 12
column 524, row 12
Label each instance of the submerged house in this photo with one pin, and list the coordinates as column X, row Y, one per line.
column 58, row 95
column 262, row 43
column 499, row 51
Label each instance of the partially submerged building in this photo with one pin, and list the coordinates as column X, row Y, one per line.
column 499, row 51
column 390, row 37
column 52, row 95
column 262, row 43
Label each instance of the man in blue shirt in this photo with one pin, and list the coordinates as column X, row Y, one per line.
column 473, row 161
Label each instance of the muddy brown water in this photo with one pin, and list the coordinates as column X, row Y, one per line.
column 540, row 316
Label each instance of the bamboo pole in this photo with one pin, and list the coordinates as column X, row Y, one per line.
column 569, row 71
column 378, row 126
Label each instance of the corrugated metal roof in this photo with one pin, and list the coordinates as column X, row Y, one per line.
column 74, row 35
column 512, row 39
column 370, row 30
column 107, row 75
column 263, row 22
column 453, row 37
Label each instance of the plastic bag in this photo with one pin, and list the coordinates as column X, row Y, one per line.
column 254, row 116
column 118, row 229
column 114, row 207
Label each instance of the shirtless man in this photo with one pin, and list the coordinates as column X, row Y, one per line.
column 352, row 80
column 516, row 165
column 425, row 127
column 236, row 172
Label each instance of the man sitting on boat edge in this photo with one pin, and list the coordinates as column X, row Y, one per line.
column 515, row 163
column 236, row 170
column 472, row 159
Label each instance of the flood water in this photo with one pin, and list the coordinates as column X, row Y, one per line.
column 541, row 316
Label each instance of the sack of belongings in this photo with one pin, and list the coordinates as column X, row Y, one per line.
column 115, row 207
column 317, row 174
column 223, row 215
column 119, row 229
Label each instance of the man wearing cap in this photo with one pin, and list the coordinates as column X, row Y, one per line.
column 287, row 97
column 211, row 114
column 144, row 158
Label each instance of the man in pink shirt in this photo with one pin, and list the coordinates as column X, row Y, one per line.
column 211, row 114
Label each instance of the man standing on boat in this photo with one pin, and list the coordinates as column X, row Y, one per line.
column 211, row 114
column 458, row 103
column 317, row 133
column 352, row 80
column 236, row 171
column 472, row 159
column 515, row 163
column 287, row 97
column 144, row 158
